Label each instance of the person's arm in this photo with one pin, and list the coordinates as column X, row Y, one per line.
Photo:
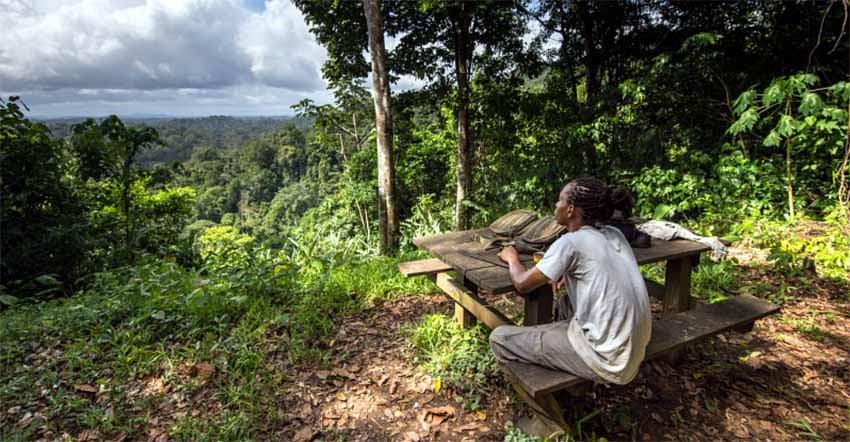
column 525, row 280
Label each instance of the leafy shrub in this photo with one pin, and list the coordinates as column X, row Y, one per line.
column 825, row 248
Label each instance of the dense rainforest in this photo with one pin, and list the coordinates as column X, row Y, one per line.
column 182, row 279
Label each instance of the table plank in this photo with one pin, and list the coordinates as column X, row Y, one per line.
column 662, row 250
column 423, row 267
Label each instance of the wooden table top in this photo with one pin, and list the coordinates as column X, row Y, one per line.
column 467, row 256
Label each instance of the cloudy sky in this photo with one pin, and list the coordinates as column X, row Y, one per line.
column 173, row 57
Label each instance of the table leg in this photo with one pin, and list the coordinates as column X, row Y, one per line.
column 677, row 295
column 677, row 285
column 463, row 317
column 538, row 306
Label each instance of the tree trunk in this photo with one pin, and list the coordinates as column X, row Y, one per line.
column 384, row 127
column 464, row 170
column 591, row 84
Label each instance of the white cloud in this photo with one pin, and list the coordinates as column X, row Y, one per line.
column 104, row 52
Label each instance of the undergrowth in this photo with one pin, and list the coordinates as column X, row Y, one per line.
column 84, row 363
column 460, row 358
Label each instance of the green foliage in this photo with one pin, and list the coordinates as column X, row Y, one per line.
column 802, row 131
column 715, row 281
column 213, row 203
column 43, row 227
column 826, row 250
column 461, row 358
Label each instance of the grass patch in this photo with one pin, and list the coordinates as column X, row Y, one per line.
column 459, row 358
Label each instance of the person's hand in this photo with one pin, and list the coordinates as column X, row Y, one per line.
column 560, row 284
column 509, row 254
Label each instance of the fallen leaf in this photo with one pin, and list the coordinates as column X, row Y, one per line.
column 323, row 374
column 26, row 419
column 86, row 388
column 341, row 396
column 305, row 435
column 445, row 410
column 411, row 436
column 741, row 432
column 343, row 373
column 86, row 435
column 469, row 427
column 306, row 410
column 438, row 383
column 480, row 415
column 203, row 370
column 353, row 368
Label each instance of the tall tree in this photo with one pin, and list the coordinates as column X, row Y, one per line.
column 108, row 150
column 439, row 42
column 384, row 128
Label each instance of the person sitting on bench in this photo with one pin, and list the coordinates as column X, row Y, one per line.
column 603, row 323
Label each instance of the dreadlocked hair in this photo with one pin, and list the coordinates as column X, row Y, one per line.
column 622, row 200
column 593, row 197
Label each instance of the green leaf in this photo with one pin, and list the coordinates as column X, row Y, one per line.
column 811, row 104
column 284, row 319
column 744, row 101
column 787, row 126
column 745, row 123
column 662, row 210
column 771, row 140
column 8, row 300
column 732, row 238
column 842, row 89
column 47, row 280
column 774, row 93
column 702, row 39
column 159, row 314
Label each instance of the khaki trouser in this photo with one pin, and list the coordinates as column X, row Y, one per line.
column 546, row 345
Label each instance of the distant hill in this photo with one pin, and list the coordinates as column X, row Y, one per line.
column 181, row 135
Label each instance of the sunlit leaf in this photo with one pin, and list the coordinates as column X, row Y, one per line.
column 745, row 123
column 774, row 93
column 772, row 139
column 744, row 101
column 811, row 104
column 787, row 125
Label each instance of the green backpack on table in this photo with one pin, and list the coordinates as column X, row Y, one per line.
column 523, row 230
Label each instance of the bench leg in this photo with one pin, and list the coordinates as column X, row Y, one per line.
column 538, row 306
column 548, row 418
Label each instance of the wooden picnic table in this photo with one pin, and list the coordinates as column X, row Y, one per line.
column 479, row 269
column 683, row 322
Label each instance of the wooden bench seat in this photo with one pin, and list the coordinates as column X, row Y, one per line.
column 423, row 267
column 668, row 334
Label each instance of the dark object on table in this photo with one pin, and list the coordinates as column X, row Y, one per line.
column 635, row 237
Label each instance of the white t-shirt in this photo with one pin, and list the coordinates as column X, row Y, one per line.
column 612, row 322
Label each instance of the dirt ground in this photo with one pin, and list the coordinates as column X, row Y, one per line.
column 788, row 379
